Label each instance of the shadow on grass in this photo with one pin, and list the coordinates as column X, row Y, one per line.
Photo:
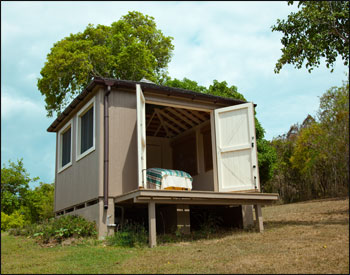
column 198, row 236
column 336, row 212
column 279, row 224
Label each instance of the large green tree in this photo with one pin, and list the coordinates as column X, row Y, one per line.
column 320, row 29
column 130, row 48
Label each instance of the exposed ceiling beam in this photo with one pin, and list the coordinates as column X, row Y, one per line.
column 174, row 112
column 199, row 115
column 156, row 132
column 172, row 127
column 190, row 116
column 162, row 122
column 149, row 122
column 172, row 119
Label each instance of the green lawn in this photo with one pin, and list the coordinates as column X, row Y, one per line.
column 309, row 237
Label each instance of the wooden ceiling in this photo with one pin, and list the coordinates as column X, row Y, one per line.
column 169, row 122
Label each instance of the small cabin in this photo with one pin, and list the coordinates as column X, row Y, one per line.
column 137, row 150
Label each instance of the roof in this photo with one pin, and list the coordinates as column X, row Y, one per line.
column 146, row 86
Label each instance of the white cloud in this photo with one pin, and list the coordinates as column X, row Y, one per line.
column 12, row 106
column 229, row 41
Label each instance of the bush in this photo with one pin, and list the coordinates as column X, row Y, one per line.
column 59, row 229
column 15, row 220
column 131, row 235
column 209, row 224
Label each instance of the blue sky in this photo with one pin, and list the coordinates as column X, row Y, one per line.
column 229, row 41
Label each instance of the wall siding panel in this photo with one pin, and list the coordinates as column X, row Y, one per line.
column 122, row 142
column 80, row 182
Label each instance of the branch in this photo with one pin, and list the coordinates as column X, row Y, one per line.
column 334, row 26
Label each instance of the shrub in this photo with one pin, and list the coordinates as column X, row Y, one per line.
column 59, row 229
column 15, row 220
column 209, row 224
column 131, row 235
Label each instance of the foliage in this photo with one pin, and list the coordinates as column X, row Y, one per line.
column 58, row 229
column 131, row 48
column 14, row 185
column 39, row 202
column 186, row 84
column 318, row 29
column 209, row 224
column 313, row 158
column 130, row 235
column 21, row 203
column 15, row 220
column 222, row 89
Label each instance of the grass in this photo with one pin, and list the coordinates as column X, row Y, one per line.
column 308, row 237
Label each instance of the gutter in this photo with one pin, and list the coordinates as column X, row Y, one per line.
column 106, row 147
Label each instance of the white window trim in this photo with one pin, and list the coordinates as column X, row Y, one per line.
column 68, row 125
column 83, row 110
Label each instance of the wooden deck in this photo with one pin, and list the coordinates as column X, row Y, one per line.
column 153, row 197
column 196, row 197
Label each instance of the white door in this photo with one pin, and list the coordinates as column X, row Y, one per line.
column 236, row 151
column 141, row 136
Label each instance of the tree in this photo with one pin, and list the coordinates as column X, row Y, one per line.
column 130, row 48
column 39, row 202
column 313, row 158
column 318, row 29
column 19, row 203
column 186, row 84
column 14, row 186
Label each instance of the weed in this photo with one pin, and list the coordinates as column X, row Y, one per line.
column 131, row 235
column 58, row 229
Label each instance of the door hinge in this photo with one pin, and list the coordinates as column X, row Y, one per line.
column 255, row 182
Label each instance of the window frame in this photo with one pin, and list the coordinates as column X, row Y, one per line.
column 90, row 104
column 67, row 126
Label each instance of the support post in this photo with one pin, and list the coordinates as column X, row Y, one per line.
column 259, row 218
column 152, row 224
column 247, row 216
column 183, row 218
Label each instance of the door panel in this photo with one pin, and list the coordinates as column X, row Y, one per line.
column 141, row 136
column 236, row 148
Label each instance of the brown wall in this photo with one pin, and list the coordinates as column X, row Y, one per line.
column 80, row 182
column 159, row 153
column 84, row 179
column 122, row 143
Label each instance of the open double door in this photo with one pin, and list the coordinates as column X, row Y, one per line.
column 236, row 166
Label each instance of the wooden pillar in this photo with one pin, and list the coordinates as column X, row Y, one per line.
column 259, row 218
column 152, row 224
column 183, row 218
column 247, row 216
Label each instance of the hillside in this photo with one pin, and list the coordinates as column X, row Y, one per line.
column 307, row 237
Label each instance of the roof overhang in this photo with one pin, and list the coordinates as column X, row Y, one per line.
column 146, row 87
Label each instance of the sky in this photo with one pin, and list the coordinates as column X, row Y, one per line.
column 226, row 41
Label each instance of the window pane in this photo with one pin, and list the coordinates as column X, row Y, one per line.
column 86, row 141
column 66, row 140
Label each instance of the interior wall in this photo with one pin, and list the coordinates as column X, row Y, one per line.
column 159, row 153
column 204, row 180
